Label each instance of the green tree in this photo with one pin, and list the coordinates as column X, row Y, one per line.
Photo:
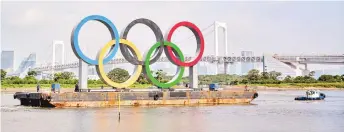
column 67, row 75
column 288, row 79
column 337, row 78
column 44, row 81
column 3, row 74
column 57, row 76
column 142, row 79
column 273, row 75
column 32, row 73
column 160, row 75
column 330, row 78
column 253, row 75
column 63, row 75
column 99, row 81
column 29, row 80
column 311, row 74
column 299, row 79
column 15, row 80
column 244, row 81
column 265, row 75
column 304, row 79
column 235, row 82
column 118, row 75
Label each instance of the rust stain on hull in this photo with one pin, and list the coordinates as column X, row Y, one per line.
column 110, row 99
column 150, row 102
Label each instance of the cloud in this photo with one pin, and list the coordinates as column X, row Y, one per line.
column 30, row 17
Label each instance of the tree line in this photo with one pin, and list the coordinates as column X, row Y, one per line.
column 255, row 77
column 117, row 75
column 120, row 75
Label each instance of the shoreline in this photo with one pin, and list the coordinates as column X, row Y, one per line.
column 265, row 88
column 236, row 88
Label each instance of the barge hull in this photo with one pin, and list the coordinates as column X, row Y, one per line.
column 109, row 99
column 151, row 102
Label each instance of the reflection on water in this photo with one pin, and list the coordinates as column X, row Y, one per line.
column 271, row 111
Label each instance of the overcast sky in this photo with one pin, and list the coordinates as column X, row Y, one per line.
column 262, row 27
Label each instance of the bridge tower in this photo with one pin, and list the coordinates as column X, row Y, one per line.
column 222, row 25
column 56, row 43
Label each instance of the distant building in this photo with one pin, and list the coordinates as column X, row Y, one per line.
column 202, row 68
column 234, row 68
column 7, row 60
column 92, row 71
column 246, row 67
column 340, row 70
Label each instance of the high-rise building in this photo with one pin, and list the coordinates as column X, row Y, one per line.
column 7, row 60
column 234, row 68
column 246, row 66
column 202, row 68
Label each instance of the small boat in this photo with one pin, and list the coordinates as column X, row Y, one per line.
column 312, row 95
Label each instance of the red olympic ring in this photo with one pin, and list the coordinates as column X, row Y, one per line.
column 201, row 50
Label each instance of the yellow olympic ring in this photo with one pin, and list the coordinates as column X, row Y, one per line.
column 100, row 66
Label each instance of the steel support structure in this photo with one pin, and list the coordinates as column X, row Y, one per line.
column 56, row 43
column 218, row 25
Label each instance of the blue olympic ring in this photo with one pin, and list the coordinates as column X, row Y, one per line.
column 114, row 35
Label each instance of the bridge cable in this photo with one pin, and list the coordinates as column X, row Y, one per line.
column 191, row 36
column 203, row 29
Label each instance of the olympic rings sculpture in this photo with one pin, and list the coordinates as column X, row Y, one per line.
column 142, row 63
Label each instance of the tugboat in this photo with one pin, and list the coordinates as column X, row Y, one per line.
column 312, row 95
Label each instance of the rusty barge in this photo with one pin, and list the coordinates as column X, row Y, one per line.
column 130, row 98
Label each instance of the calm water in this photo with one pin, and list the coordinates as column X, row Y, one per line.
column 270, row 112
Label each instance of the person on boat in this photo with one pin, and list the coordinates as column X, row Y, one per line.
column 38, row 87
column 246, row 87
column 76, row 88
